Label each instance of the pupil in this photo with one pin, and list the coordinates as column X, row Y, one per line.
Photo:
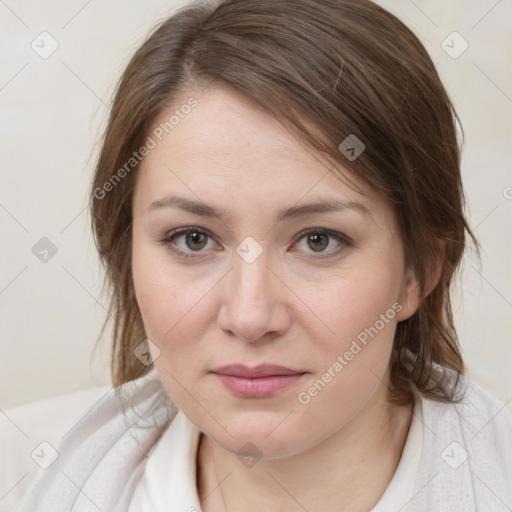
column 316, row 239
column 194, row 238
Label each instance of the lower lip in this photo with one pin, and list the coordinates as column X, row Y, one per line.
column 260, row 386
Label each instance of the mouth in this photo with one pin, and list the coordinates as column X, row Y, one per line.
column 258, row 382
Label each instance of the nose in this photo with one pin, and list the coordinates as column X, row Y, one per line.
column 254, row 304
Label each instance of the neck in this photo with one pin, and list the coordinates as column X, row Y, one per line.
column 348, row 471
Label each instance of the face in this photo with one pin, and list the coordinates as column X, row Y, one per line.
column 232, row 267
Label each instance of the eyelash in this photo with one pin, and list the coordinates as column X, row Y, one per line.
column 344, row 240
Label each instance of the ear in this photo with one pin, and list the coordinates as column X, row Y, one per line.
column 410, row 296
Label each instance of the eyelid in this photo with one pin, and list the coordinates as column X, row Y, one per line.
column 343, row 239
column 340, row 237
column 335, row 234
column 169, row 237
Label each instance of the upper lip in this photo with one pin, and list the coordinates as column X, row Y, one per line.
column 264, row 370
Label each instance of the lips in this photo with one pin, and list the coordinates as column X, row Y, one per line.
column 264, row 370
column 258, row 382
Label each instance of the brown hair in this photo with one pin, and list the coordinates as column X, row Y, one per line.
column 326, row 69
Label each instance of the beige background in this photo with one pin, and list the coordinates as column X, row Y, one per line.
column 52, row 114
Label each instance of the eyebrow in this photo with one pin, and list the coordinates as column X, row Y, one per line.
column 206, row 210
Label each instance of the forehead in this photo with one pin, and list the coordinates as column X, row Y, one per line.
column 228, row 148
column 225, row 127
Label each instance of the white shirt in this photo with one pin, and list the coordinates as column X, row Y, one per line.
column 169, row 484
column 463, row 463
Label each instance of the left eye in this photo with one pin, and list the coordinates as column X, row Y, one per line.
column 194, row 240
column 319, row 240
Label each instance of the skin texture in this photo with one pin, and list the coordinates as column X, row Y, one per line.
column 296, row 305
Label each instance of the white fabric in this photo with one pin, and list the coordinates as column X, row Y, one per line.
column 465, row 465
column 102, row 457
column 23, row 428
column 169, row 484
column 401, row 488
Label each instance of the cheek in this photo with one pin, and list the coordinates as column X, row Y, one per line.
column 353, row 363
column 359, row 312
column 356, row 301
column 169, row 302
column 173, row 316
column 169, row 309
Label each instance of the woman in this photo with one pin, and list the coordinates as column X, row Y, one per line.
column 278, row 204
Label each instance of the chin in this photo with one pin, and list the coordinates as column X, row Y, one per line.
column 258, row 434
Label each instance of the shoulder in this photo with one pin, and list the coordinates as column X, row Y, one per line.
column 104, row 449
column 467, row 449
column 29, row 434
column 476, row 408
column 486, row 423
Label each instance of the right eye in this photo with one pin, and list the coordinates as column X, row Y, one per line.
column 193, row 240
